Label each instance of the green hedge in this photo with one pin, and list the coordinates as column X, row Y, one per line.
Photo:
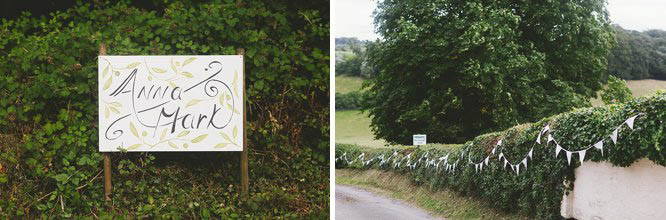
column 348, row 101
column 537, row 191
column 48, row 109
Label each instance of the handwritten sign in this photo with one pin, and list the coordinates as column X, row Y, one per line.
column 419, row 139
column 170, row 103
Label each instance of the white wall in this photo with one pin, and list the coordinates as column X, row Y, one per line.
column 602, row 191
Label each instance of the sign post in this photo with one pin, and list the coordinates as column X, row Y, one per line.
column 245, row 178
column 107, row 156
column 172, row 104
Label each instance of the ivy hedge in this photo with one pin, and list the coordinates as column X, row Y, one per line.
column 49, row 160
column 537, row 191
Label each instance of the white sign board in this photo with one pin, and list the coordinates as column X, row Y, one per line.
column 170, row 103
column 419, row 139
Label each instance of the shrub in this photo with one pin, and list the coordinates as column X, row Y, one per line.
column 616, row 91
column 537, row 190
column 348, row 101
column 48, row 101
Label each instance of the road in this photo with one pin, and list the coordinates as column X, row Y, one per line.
column 355, row 203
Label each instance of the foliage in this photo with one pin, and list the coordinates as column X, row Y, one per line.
column 537, row 191
column 349, row 66
column 638, row 55
column 348, row 101
column 616, row 91
column 48, row 104
column 456, row 69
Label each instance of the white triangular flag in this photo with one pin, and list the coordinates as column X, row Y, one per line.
column 569, row 157
column 538, row 140
column 505, row 162
column 476, row 167
column 517, row 169
column 486, row 161
column 530, row 153
column 550, row 138
column 441, row 158
column 581, row 154
column 557, row 150
column 630, row 122
column 525, row 162
column 600, row 145
column 395, row 153
column 499, row 142
column 493, row 151
column 501, row 155
column 513, row 168
column 614, row 136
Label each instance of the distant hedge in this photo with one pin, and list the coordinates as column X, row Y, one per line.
column 348, row 101
column 48, row 105
column 537, row 191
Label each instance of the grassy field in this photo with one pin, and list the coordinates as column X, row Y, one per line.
column 353, row 127
column 441, row 202
column 639, row 88
column 346, row 84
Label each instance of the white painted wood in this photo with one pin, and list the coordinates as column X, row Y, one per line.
column 141, row 97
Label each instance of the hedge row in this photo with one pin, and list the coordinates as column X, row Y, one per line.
column 348, row 101
column 537, row 191
column 48, row 107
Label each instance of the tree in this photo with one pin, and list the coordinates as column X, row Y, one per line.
column 455, row 69
column 616, row 91
column 638, row 55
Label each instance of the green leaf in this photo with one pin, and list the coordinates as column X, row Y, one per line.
column 172, row 145
column 132, row 65
column 234, row 132
column 189, row 60
column 192, row 102
column 106, row 112
column 106, row 71
column 107, row 84
column 159, row 70
column 114, row 110
column 199, row 138
column 225, row 136
column 164, row 132
column 116, row 104
column 134, row 146
column 183, row 133
column 173, row 66
column 222, row 100
column 187, row 74
column 221, row 145
column 133, row 129
column 61, row 178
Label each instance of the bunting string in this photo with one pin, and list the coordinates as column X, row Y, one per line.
column 442, row 163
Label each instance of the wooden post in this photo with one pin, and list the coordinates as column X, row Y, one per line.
column 245, row 177
column 107, row 155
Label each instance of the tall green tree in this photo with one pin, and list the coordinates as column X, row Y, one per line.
column 455, row 69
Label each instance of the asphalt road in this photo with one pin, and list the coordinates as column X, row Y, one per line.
column 355, row 203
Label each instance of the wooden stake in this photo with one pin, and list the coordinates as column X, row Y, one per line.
column 245, row 177
column 107, row 155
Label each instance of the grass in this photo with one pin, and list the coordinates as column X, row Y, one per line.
column 345, row 84
column 353, row 127
column 442, row 202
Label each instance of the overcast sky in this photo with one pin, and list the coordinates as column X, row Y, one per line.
column 353, row 18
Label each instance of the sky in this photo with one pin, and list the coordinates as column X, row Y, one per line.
column 353, row 18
